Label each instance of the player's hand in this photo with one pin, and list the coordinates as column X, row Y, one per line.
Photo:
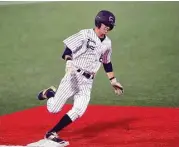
column 69, row 66
column 118, row 88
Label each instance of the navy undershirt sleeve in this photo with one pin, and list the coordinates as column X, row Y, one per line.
column 67, row 51
column 108, row 67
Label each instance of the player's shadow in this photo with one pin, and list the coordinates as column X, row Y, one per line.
column 99, row 127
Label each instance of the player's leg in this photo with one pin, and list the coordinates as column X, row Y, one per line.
column 66, row 89
column 81, row 101
column 63, row 93
column 57, row 98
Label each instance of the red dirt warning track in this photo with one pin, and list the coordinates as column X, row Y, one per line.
column 101, row 126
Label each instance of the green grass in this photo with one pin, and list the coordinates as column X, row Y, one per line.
column 145, row 51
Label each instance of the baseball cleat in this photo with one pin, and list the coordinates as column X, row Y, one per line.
column 53, row 136
column 47, row 93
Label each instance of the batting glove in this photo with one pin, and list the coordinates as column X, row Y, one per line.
column 118, row 88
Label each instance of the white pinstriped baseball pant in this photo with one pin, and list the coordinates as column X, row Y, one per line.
column 72, row 85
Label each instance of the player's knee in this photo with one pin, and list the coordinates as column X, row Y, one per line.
column 76, row 113
column 79, row 111
column 52, row 109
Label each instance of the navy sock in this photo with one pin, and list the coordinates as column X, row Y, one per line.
column 65, row 121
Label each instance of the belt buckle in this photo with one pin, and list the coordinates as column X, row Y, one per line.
column 87, row 75
column 90, row 76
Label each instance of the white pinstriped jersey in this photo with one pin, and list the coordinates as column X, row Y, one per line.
column 88, row 51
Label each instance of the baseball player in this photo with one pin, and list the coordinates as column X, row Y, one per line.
column 84, row 53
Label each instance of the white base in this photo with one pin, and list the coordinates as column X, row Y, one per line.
column 11, row 146
column 47, row 143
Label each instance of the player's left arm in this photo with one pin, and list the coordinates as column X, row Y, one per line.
column 108, row 67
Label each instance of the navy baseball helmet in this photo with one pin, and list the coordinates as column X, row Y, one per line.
column 105, row 17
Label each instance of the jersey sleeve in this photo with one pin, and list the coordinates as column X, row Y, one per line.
column 75, row 41
column 107, row 55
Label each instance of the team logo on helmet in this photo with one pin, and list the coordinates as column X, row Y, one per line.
column 111, row 19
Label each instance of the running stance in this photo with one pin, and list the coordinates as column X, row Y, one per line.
column 84, row 53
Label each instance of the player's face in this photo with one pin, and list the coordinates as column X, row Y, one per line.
column 104, row 29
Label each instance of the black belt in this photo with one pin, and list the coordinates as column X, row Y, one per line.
column 87, row 75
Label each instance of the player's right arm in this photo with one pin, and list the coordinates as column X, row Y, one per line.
column 67, row 54
column 72, row 45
